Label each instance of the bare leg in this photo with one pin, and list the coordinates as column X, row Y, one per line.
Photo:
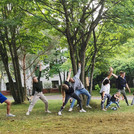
column 8, row 106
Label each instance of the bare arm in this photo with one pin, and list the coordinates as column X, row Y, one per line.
column 116, row 96
column 128, row 88
column 110, row 74
column 79, row 71
column 115, row 76
column 69, row 75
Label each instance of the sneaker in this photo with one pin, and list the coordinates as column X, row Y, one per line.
column 127, row 104
column 48, row 111
column 27, row 113
column 70, row 109
column 59, row 113
column 104, row 109
column 82, row 110
column 88, row 106
column 10, row 115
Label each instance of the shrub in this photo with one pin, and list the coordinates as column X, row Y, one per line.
column 97, row 87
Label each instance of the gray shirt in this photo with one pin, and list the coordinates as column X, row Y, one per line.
column 77, row 84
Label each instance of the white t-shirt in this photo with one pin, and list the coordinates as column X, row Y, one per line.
column 105, row 88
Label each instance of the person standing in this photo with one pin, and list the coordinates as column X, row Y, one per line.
column 4, row 99
column 37, row 93
column 67, row 92
column 105, row 90
column 122, row 85
column 79, row 88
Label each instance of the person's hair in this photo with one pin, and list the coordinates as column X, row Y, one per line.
column 105, row 82
column 118, row 92
column 122, row 72
column 33, row 78
column 64, row 87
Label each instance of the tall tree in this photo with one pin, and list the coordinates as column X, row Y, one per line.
column 8, row 45
column 75, row 19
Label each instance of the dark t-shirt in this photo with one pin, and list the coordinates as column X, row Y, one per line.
column 37, row 86
column 70, row 90
column 121, row 83
column 113, row 99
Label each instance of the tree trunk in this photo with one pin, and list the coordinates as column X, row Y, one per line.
column 60, row 76
column 4, row 58
column 17, row 74
column 73, row 61
column 24, row 75
column 19, row 94
column 92, row 71
column 82, row 60
column 64, row 75
column 93, row 62
column 19, row 91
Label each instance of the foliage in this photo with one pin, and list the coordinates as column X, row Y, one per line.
column 97, row 87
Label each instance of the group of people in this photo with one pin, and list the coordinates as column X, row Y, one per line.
column 105, row 90
column 73, row 88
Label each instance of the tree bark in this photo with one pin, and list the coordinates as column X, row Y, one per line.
column 60, row 76
column 4, row 58
column 24, row 75
column 14, row 56
column 15, row 88
column 82, row 60
column 93, row 61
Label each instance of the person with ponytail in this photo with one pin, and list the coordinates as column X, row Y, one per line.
column 67, row 93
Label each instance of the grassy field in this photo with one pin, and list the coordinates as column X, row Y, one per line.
column 94, row 121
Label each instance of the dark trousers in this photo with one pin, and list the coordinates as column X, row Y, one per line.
column 73, row 95
column 106, row 96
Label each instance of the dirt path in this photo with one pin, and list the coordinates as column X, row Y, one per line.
column 59, row 97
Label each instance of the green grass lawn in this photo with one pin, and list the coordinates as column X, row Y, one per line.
column 94, row 121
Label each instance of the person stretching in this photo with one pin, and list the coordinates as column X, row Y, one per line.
column 79, row 88
column 114, row 99
column 68, row 92
column 122, row 84
column 105, row 90
column 37, row 93
column 4, row 99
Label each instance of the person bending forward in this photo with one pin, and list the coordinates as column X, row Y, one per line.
column 68, row 92
column 79, row 88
